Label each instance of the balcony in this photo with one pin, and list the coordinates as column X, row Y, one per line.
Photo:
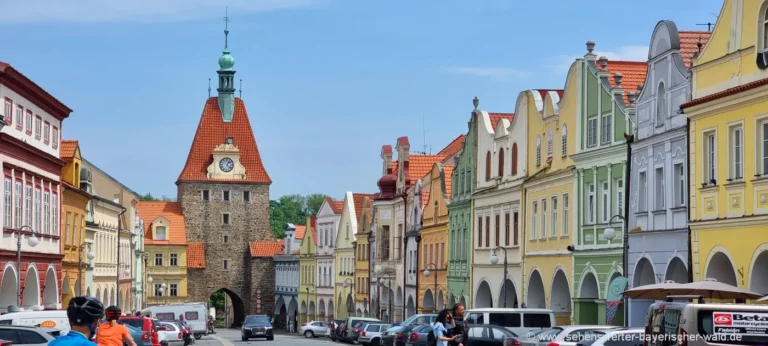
column 166, row 270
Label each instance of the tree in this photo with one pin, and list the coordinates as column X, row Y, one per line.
column 314, row 201
column 292, row 209
column 149, row 198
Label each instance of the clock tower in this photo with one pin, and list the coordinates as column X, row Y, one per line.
column 224, row 194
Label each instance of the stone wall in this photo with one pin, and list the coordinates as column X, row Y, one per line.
column 263, row 282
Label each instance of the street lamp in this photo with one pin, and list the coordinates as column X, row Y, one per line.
column 495, row 260
column 349, row 283
column 434, row 293
column 32, row 241
column 389, row 294
column 609, row 234
column 90, row 256
column 162, row 290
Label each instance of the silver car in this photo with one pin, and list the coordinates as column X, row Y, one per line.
column 173, row 335
column 23, row 335
column 370, row 333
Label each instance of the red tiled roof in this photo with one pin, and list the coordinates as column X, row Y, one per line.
column 421, row 165
column 357, row 198
column 213, row 131
column 454, row 146
column 688, row 44
column 425, row 197
column 196, row 255
column 68, row 148
column 312, row 228
column 150, row 211
column 633, row 74
column 543, row 92
column 495, row 117
column 726, row 92
column 336, row 206
column 265, row 249
column 296, row 252
column 300, row 230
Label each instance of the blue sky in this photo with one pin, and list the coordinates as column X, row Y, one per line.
column 326, row 82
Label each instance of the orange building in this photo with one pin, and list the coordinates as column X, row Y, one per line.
column 73, row 216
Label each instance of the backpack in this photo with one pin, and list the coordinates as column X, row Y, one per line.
column 431, row 339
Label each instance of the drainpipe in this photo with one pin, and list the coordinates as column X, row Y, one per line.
column 405, row 244
column 625, row 245
column 418, row 250
column 117, row 277
column 688, row 179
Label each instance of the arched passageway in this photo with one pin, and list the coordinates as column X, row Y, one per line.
column 483, row 298
column 589, row 291
column 428, row 305
column 31, row 291
column 758, row 279
column 536, row 298
column 231, row 306
column 560, row 298
column 8, row 288
column 410, row 307
column 721, row 269
column 677, row 271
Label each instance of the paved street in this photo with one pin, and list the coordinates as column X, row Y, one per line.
column 230, row 337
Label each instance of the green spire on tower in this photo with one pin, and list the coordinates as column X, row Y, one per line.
column 226, row 73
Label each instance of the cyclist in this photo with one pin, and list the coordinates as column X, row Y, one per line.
column 111, row 333
column 84, row 314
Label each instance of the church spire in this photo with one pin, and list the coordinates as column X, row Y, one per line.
column 226, row 73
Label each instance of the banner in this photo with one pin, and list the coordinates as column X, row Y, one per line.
column 613, row 298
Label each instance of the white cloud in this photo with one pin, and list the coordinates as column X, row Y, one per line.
column 28, row 11
column 499, row 74
column 562, row 63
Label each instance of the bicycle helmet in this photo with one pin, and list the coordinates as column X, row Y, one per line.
column 113, row 313
column 84, row 310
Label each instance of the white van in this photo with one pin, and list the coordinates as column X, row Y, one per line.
column 520, row 321
column 54, row 319
column 196, row 315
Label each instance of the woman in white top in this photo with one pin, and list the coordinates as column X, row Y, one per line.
column 440, row 328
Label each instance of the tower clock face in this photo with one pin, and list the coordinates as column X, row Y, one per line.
column 226, row 164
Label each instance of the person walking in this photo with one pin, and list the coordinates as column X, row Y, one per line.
column 440, row 328
column 458, row 322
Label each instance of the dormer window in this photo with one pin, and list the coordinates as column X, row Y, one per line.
column 161, row 233
column 160, row 228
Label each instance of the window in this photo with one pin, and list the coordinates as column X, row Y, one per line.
column 38, row 127
column 710, row 163
column 225, row 265
column 158, row 290
column 679, row 185
column 506, row 229
column 47, row 133
column 55, row 138
column 516, row 234
column 565, row 214
column 19, row 117
column 488, row 166
column 38, row 209
column 538, row 150
column 158, row 259
column 174, row 260
column 46, row 213
column 620, row 197
column 8, row 113
column 347, row 235
column 225, row 218
column 590, row 203
column 161, row 233
column 17, row 205
column 659, row 188
column 543, row 218
column 488, row 231
column 501, row 162
column 247, row 196
column 434, row 217
column 67, row 229
column 533, row 220
column 661, row 104
column 606, row 130
column 28, row 206
column 564, row 140
column 549, row 143
column 498, row 229
column 28, row 123
column 514, row 158
column 225, row 195
column 737, row 153
column 592, row 132
column 174, row 290
column 31, row 337
column 226, row 239
column 479, row 231
column 206, row 196
column 642, row 191
column 7, row 218
column 468, row 183
column 553, row 233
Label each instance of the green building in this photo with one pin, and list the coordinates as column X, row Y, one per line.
column 605, row 114
column 460, row 219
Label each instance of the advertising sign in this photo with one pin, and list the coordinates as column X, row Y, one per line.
column 740, row 322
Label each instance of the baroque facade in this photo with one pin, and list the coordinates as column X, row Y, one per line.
column 73, row 216
column 166, row 252
column 328, row 217
column 433, row 253
column 362, row 259
column 308, row 273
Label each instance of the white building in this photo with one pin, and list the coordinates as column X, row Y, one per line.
column 327, row 225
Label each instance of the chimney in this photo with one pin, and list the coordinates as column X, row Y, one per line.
column 403, row 150
column 386, row 157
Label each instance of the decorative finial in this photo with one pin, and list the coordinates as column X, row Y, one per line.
column 617, row 79
column 603, row 62
column 590, row 46
column 209, row 87
column 476, row 102
column 631, row 97
column 226, row 27
column 699, row 44
column 241, row 88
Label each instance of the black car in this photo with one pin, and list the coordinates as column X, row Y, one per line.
column 257, row 326
column 397, row 338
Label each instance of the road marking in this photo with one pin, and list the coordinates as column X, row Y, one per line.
column 223, row 341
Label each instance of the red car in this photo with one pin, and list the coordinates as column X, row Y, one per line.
column 147, row 325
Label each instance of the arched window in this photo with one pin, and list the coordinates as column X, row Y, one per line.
column 501, row 162
column 550, row 145
column 765, row 34
column 434, row 217
column 488, row 166
column 538, row 150
column 514, row 158
column 564, row 139
column 661, row 104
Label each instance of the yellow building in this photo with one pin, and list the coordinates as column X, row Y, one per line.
column 362, row 256
column 433, row 255
column 549, row 191
column 729, row 158
column 308, row 273
column 73, row 215
column 165, row 247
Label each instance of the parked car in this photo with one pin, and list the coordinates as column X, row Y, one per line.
column 257, row 326
column 489, row 335
column 147, row 325
column 195, row 313
column 413, row 320
column 172, row 333
column 332, row 326
column 568, row 335
column 520, row 321
column 336, row 333
column 33, row 336
column 136, row 334
column 371, row 333
column 396, row 338
column 352, row 330
column 621, row 337
column 419, row 335
column 313, row 329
